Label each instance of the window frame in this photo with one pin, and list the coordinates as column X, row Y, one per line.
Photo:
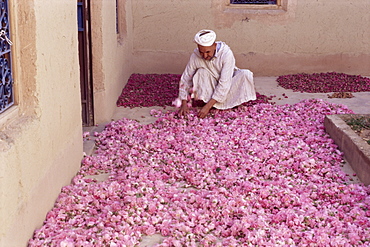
column 277, row 3
column 280, row 5
column 121, row 29
column 7, row 56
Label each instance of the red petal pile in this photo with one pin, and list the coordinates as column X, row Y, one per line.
column 324, row 82
column 146, row 90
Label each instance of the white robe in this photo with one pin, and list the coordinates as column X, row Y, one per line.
column 217, row 79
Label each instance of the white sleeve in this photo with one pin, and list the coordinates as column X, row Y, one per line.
column 186, row 81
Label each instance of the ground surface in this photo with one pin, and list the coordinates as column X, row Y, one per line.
column 263, row 174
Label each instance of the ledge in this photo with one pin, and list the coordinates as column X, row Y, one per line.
column 355, row 149
column 8, row 115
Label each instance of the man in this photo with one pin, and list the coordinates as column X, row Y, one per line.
column 211, row 76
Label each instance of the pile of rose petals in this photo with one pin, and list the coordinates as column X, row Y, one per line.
column 260, row 175
column 324, row 82
column 145, row 90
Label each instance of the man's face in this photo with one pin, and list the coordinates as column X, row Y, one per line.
column 207, row 52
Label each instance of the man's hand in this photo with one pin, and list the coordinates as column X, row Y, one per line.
column 203, row 112
column 205, row 109
column 184, row 109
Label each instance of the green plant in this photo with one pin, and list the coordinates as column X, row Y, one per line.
column 358, row 123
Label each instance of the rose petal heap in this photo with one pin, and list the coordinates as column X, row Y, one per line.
column 324, row 82
column 261, row 175
column 146, row 90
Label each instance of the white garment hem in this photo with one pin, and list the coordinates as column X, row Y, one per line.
column 220, row 106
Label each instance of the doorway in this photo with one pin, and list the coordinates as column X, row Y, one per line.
column 84, row 51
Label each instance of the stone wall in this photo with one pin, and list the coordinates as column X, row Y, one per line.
column 111, row 54
column 301, row 36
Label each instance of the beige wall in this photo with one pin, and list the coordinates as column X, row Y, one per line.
column 303, row 36
column 111, row 54
column 40, row 137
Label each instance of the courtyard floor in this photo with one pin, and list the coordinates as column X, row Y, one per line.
column 268, row 86
column 156, row 198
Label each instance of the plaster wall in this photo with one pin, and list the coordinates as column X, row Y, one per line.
column 111, row 54
column 300, row 36
column 41, row 136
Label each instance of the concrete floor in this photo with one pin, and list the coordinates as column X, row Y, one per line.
column 360, row 104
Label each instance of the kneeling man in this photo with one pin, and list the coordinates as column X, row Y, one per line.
column 212, row 76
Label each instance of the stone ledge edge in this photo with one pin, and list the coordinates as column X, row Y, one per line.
column 342, row 134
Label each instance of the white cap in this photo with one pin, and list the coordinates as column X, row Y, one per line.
column 205, row 37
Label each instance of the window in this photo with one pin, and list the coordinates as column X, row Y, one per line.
column 6, row 79
column 120, row 20
column 117, row 17
column 253, row 2
column 256, row 5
